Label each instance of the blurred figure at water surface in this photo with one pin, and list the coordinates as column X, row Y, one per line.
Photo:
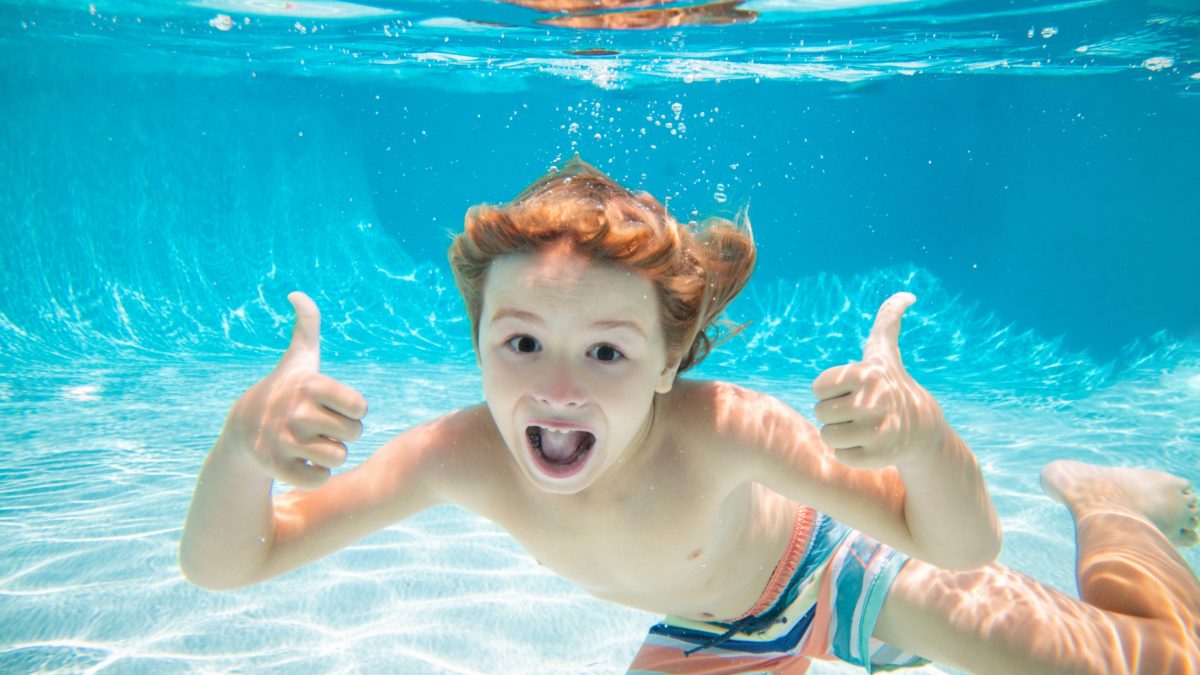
column 637, row 14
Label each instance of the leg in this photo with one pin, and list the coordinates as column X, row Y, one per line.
column 1140, row 609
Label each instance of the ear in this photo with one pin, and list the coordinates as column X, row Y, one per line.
column 666, row 379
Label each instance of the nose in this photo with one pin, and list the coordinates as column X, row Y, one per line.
column 557, row 388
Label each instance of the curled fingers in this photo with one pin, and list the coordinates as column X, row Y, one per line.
column 838, row 381
column 302, row 474
column 845, row 435
column 837, row 410
column 337, row 397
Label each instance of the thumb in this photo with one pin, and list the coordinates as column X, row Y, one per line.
column 305, row 348
column 884, row 340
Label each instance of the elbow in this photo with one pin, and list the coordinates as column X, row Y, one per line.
column 208, row 582
column 980, row 554
column 988, row 549
column 970, row 560
column 204, row 579
column 206, row 576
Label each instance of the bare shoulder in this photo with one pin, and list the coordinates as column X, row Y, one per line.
column 443, row 454
column 765, row 440
column 735, row 412
column 751, row 430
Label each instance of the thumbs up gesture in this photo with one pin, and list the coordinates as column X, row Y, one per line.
column 873, row 413
column 295, row 422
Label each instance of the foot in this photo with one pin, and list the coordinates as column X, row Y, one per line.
column 1166, row 500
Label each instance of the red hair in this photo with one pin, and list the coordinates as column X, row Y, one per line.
column 696, row 270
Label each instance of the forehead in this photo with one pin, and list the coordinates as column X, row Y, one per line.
column 565, row 281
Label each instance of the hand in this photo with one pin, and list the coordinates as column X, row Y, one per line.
column 873, row 413
column 295, row 422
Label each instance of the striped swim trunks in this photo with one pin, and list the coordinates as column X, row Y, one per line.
column 821, row 603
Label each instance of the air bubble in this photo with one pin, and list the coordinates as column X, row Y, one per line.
column 1158, row 63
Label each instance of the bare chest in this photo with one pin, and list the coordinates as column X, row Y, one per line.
column 680, row 549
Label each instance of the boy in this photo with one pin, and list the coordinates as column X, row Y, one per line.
column 717, row 506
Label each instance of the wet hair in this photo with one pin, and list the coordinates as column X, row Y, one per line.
column 697, row 270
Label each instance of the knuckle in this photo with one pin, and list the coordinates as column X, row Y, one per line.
column 826, row 435
column 293, row 378
column 305, row 386
column 295, row 427
column 339, row 458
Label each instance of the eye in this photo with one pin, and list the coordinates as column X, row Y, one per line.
column 523, row 344
column 606, row 353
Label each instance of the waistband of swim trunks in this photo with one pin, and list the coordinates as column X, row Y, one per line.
column 802, row 529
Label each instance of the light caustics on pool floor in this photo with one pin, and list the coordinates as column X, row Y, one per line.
column 101, row 459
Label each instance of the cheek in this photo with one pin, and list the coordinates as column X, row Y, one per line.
column 497, row 379
column 630, row 392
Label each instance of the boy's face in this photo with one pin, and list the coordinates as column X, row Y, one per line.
column 572, row 353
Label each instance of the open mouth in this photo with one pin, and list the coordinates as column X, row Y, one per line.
column 560, row 453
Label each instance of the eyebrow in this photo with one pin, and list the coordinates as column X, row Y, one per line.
column 610, row 324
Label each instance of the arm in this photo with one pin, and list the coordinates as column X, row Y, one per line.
column 947, row 506
column 292, row 426
column 237, row 535
column 885, row 462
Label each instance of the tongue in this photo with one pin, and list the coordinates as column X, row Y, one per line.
column 559, row 447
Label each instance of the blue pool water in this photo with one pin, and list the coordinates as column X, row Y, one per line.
column 169, row 171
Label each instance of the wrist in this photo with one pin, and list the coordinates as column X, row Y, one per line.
column 929, row 449
column 234, row 453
